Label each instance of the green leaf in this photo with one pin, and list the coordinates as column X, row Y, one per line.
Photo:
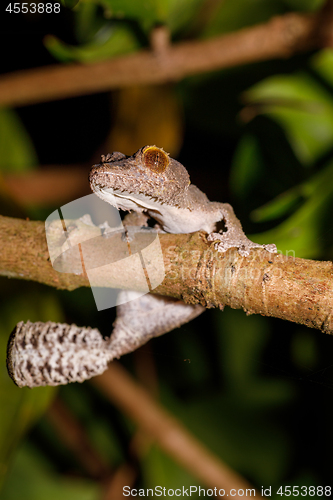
column 20, row 408
column 147, row 12
column 17, row 153
column 279, row 206
column 322, row 62
column 181, row 15
column 175, row 14
column 88, row 21
column 110, row 41
column 302, row 107
column 247, row 166
column 301, row 234
column 112, row 34
column 232, row 15
column 31, row 479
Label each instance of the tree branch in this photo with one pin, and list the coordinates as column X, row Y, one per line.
column 47, row 185
column 280, row 37
column 167, row 432
column 289, row 288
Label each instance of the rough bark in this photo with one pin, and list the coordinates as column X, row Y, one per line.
column 289, row 288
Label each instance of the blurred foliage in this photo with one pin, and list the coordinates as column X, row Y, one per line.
column 146, row 115
column 16, row 151
column 301, row 103
column 32, row 478
column 106, row 28
column 241, row 384
column 19, row 409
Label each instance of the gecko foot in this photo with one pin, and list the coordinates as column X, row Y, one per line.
column 224, row 241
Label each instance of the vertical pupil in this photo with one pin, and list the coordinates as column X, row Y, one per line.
column 156, row 160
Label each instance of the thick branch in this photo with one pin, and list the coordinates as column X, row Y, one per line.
column 280, row 37
column 293, row 289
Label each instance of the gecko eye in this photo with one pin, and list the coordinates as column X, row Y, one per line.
column 155, row 159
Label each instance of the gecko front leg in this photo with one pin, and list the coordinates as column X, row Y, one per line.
column 233, row 236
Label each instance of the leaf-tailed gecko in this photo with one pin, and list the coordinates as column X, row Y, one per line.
column 152, row 183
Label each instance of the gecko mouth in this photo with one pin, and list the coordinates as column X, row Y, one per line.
column 126, row 200
column 140, row 199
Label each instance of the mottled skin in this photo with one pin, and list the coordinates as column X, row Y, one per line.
column 150, row 180
column 153, row 182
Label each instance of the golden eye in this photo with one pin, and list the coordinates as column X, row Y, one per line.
column 155, row 159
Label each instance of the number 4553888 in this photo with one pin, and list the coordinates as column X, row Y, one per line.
column 308, row 491
column 32, row 8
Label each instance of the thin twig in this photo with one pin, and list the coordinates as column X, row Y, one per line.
column 168, row 432
column 75, row 438
column 280, row 37
column 125, row 475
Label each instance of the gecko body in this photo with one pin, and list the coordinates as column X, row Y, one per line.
column 148, row 182
column 152, row 182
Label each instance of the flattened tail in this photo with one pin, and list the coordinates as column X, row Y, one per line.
column 40, row 354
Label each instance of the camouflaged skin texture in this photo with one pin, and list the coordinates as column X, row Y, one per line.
column 53, row 353
column 148, row 181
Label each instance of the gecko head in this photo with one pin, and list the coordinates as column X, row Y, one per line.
column 143, row 181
